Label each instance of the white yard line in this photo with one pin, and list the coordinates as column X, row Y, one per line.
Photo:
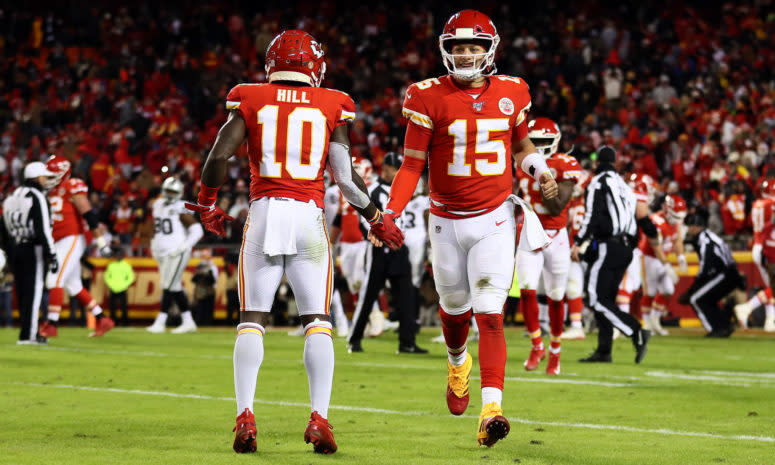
column 722, row 378
column 663, row 431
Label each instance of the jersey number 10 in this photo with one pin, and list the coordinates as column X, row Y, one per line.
column 298, row 120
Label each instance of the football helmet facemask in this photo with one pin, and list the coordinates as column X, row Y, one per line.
column 61, row 167
column 469, row 26
column 172, row 189
column 545, row 135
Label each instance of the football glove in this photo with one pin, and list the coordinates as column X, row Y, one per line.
column 384, row 228
column 212, row 217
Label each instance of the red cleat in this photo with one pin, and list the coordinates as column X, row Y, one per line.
column 553, row 367
column 319, row 433
column 245, row 439
column 457, row 386
column 48, row 330
column 493, row 426
column 535, row 357
column 104, row 325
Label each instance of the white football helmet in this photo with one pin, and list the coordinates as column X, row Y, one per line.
column 172, row 189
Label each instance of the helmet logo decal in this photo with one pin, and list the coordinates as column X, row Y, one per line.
column 316, row 49
column 506, row 106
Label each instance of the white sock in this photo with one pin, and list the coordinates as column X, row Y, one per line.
column 187, row 318
column 161, row 319
column 459, row 358
column 769, row 311
column 53, row 316
column 755, row 301
column 96, row 310
column 491, row 394
column 319, row 362
column 624, row 307
column 248, row 355
column 656, row 315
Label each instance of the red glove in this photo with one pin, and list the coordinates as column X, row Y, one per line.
column 212, row 217
column 384, row 229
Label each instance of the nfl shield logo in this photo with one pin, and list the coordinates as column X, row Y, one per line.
column 478, row 106
column 438, row 229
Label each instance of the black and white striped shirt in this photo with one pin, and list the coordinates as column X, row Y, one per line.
column 26, row 218
column 714, row 254
column 610, row 208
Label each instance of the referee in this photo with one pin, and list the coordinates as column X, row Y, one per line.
column 383, row 263
column 605, row 240
column 26, row 236
column 717, row 277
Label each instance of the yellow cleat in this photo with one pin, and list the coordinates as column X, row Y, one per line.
column 493, row 426
column 457, row 386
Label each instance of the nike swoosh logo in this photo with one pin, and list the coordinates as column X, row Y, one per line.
column 499, row 223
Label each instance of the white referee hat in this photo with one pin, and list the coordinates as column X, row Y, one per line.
column 36, row 169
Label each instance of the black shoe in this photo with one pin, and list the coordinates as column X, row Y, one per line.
column 354, row 346
column 641, row 341
column 596, row 357
column 413, row 349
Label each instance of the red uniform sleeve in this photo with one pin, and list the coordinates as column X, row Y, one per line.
column 234, row 100
column 571, row 170
column 420, row 127
column 346, row 113
column 77, row 186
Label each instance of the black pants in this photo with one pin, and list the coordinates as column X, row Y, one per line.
column 395, row 267
column 704, row 297
column 27, row 265
column 116, row 300
column 607, row 265
column 204, row 308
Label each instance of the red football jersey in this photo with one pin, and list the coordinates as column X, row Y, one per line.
column 576, row 212
column 351, row 229
column 666, row 231
column 768, row 242
column 761, row 216
column 563, row 168
column 469, row 153
column 289, row 128
column 67, row 220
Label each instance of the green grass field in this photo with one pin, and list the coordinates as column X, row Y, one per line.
column 138, row 398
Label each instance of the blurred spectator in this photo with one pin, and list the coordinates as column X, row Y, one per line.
column 119, row 276
column 205, row 280
column 6, row 290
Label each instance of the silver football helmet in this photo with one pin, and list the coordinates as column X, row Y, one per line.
column 172, row 189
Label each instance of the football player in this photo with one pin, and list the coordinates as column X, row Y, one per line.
column 761, row 216
column 175, row 233
column 294, row 128
column 467, row 126
column 554, row 259
column 71, row 213
column 659, row 277
column 575, row 287
column 644, row 188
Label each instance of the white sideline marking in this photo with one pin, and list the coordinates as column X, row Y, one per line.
column 723, row 378
column 738, row 437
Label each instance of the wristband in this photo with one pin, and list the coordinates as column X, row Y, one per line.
column 535, row 165
column 377, row 218
column 207, row 195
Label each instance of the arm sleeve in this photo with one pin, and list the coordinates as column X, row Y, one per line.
column 234, row 101
column 404, row 184
column 193, row 234
column 341, row 168
column 647, row 226
column 346, row 113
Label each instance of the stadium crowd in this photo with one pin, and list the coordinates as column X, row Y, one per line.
column 133, row 94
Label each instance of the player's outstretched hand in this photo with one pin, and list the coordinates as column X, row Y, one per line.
column 212, row 217
column 549, row 186
column 384, row 230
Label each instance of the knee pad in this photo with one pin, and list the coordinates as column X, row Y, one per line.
column 556, row 294
column 489, row 302
column 455, row 302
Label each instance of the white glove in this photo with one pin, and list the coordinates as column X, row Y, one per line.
column 103, row 246
column 670, row 271
column 682, row 265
